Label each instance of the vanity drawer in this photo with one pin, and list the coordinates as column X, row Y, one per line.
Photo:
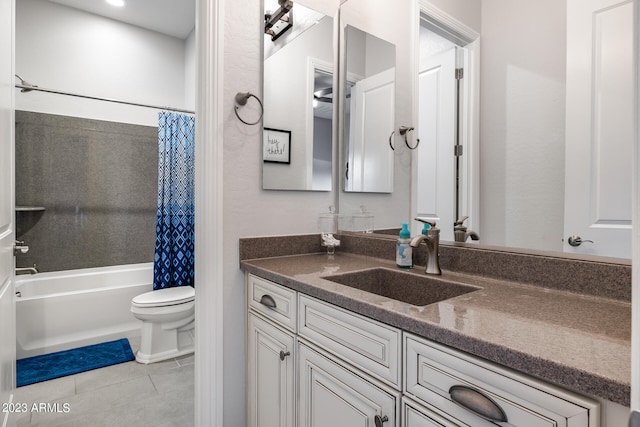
column 372, row 346
column 432, row 371
column 272, row 300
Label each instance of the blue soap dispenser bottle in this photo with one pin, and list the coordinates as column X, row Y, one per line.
column 404, row 251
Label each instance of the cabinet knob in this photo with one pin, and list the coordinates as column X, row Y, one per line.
column 380, row 420
column 283, row 354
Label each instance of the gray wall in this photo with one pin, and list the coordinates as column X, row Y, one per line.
column 97, row 181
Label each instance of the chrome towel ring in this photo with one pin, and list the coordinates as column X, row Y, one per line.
column 241, row 100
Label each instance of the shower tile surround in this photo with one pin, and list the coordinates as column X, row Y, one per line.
column 566, row 320
column 97, row 181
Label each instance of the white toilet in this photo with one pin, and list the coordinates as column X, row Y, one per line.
column 168, row 319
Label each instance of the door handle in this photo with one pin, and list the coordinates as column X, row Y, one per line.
column 577, row 240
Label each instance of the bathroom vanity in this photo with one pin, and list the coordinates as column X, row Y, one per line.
column 327, row 348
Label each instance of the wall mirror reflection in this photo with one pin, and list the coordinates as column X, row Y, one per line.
column 298, row 99
column 369, row 116
column 445, row 101
column 555, row 135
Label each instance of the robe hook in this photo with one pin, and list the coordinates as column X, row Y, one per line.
column 404, row 130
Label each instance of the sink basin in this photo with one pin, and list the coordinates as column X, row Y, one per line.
column 407, row 287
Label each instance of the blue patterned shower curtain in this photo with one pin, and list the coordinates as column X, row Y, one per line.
column 174, row 257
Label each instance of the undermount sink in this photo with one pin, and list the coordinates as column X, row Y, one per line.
column 403, row 286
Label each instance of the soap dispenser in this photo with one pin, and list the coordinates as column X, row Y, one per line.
column 404, row 251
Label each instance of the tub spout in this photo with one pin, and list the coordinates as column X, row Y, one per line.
column 27, row 270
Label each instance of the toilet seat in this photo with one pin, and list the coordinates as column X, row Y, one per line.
column 165, row 297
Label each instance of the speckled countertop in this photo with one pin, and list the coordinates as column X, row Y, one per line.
column 579, row 342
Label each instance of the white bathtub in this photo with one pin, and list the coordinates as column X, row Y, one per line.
column 67, row 309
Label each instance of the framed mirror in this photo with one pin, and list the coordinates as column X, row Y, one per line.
column 298, row 101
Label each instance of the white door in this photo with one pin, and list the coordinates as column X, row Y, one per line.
column 436, row 126
column 7, row 234
column 331, row 395
column 599, row 127
column 372, row 120
column 270, row 373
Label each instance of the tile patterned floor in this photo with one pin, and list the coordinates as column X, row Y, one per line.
column 127, row 394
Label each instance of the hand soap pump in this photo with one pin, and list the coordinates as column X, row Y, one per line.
column 404, row 251
column 425, row 228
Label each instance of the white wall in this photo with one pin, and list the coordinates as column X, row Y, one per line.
column 522, row 112
column 249, row 210
column 66, row 49
column 190, row 72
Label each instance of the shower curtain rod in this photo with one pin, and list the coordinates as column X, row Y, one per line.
column 30, row 87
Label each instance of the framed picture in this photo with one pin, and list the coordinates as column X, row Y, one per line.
column 276, row 146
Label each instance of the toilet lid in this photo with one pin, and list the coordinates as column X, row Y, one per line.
column 162, row 297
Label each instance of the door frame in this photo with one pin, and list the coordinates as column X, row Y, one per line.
column 209, row 330
column 469, row 112
column 635, row 230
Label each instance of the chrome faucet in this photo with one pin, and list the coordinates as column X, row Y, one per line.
column 460, row 232
column 27, row 270
column 432, row 239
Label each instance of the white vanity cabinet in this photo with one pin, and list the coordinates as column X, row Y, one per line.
column 271, row 347
column 479, row 393
column 332, row 394
column 345, row 363
column 312, row 364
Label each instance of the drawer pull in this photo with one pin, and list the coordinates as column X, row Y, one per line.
column 268, row 301
column 478, row 403
column 380, row 420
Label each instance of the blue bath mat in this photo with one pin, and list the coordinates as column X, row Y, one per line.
column 68, row 362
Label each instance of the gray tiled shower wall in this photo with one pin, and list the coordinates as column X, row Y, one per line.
column 97, row 181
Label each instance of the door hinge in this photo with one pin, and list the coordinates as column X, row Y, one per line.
column 459, row 73
column 457, row 150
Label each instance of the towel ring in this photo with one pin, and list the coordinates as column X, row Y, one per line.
column 241, row 99
column 390, row 140
column 404, row 130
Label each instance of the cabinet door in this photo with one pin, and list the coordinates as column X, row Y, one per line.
column 332, row 395
column 415, row 415
column 271, row 369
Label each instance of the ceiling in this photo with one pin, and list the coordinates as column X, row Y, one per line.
column 172, row 17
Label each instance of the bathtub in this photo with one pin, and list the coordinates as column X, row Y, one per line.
column 67, row 309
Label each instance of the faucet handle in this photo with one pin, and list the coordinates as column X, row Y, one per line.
column 460, row 221
column 431, row 222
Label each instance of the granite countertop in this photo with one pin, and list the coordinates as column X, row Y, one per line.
column 579, row 342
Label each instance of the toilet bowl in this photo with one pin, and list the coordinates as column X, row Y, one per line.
column 167, row 323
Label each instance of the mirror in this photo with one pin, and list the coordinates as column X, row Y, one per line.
column 369, row 114
column 523, row 129
column 389, row 28
column 298, row 103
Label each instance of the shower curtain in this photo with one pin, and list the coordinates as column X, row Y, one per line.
column 174, row 258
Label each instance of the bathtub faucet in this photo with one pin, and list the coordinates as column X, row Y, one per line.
column 26, row 270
